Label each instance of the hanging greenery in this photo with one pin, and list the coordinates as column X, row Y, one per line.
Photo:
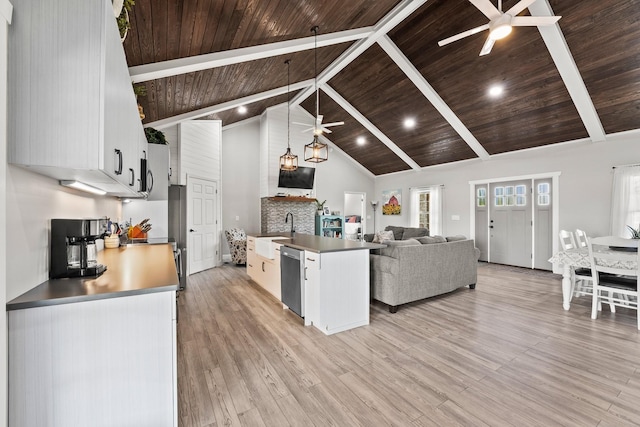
column 155, row 136
column 123, row 19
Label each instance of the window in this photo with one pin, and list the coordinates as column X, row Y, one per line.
column 481, row 197
column 544, row 190
column 498, row 199
column 625, row 206
column 426, row 208
column 521, row 195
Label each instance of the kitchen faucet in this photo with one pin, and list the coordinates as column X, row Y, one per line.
column 286, row 219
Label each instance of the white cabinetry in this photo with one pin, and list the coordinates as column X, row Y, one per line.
column 74, row 114
column 337, row 290
column 107, row 362
column 159, row 166
column 264, row 271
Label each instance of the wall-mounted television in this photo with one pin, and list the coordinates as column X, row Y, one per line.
column 299, row 178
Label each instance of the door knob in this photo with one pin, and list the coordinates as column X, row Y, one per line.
column 191, row 230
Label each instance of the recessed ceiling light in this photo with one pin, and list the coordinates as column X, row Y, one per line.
column 410, row 123
column 242, row 109
column 495, row 90
column 361, row 140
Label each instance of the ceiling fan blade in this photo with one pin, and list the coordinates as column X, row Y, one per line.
column 302, row 124
column 487, row 8
column 488, row 45
column 519, row 7
column 534, row 21
column 326, row 125
column 324, row 130
column 463, row 34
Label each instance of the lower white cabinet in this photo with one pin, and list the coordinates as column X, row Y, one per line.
column 337, row 290
column 264, row 271
column 107, row 362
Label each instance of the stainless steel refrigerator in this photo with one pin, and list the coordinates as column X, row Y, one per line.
column 178, row 227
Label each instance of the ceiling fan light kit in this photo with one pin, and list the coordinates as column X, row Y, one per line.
column 288, row 161
column 501, row 23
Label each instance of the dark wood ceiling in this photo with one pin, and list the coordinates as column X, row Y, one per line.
column 536, row 108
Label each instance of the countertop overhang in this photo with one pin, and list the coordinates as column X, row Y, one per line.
column 131, row 270
column 318, row 244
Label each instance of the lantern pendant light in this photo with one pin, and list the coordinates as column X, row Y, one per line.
column 288, row 161
column 316, row 151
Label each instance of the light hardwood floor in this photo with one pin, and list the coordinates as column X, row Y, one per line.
column 504, row 354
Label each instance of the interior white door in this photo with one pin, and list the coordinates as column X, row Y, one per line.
column 510, row 223
column 202, row 223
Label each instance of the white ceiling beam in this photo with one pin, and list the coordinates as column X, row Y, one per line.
column 6, row 10
column 561, row 55
column 386, row 24
column 427, row 90
column 158, row 70
column 370, row 126
column 170, row 121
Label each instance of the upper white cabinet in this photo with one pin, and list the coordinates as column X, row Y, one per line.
column 159, row 171
column 73, row 113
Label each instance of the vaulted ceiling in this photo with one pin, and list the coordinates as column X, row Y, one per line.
column 379, row 63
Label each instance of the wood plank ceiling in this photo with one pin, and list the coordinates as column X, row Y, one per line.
column 538, row 106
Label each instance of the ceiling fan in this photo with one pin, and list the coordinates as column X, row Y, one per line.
column 501, row 23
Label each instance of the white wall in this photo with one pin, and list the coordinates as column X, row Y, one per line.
column 32, row 200
column 584, row 184
column 241, row 177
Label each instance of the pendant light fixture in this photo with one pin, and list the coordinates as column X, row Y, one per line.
column 316, row 151
column 288, row 161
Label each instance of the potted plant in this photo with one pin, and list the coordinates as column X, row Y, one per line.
column 155, row 136
column 320, row 206
column 635, row 232
column 123, row 17
column 140, row 90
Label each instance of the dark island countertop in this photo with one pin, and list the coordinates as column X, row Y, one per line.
column 131, row 270
column 318, row 244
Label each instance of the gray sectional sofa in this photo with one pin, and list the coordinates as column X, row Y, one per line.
column 417, row 268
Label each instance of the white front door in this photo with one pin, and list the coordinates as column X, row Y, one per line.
column 202, row 223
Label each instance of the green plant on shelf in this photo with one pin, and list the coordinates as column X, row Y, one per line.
column 635, row 232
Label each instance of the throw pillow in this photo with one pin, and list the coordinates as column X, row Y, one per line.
column 381, row 236
column 456, row 238
column 413, row 232
column 397, row 231
column 431, row 239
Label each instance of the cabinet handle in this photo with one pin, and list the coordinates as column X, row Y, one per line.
column 250, row 265
column 149, row 181
column 132, row 177
column 312, row 260
column 262, row 265
column 118, row 170
column 305, row 273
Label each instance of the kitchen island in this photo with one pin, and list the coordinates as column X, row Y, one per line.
column 336, row 276
column 100, row 350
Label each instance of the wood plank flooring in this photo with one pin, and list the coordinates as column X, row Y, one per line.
column 504, row 354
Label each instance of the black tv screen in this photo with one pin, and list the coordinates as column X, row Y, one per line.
column 299, row 178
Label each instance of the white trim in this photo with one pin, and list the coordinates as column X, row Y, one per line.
column 6, row 10
column 370, row 126
column 561, row 55
column 170, row 121
column 159, row 70
column 427, row 90
column 382, row 27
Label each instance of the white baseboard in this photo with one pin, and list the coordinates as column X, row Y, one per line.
column 226, row 257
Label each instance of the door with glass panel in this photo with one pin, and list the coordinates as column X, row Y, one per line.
column 482, row 220
column 510, row 223
column 542, row 223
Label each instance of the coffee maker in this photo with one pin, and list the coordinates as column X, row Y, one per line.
column 73, row 247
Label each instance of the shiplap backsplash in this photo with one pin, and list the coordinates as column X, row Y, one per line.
column 199, row 150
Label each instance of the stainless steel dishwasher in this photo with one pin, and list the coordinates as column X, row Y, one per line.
column 292, row 279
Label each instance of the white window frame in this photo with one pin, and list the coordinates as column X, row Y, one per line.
column 435, row 207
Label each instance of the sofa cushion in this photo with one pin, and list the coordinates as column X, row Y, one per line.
column 381, row 236
column 390, row 250
column 412, row 232
column 456, row 238
column 431, row 239
column 397, row 231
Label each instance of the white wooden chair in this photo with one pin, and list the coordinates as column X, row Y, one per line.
column 581, row 282
column 581, row 238
column 622, row 274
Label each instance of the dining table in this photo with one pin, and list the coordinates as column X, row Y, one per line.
column 570, row 259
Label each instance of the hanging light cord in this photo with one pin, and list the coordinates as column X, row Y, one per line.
column 288, row 62
column 315, row 67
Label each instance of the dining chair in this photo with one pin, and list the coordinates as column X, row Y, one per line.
column 580, row 277
column 581, row 238
column 615, row 273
